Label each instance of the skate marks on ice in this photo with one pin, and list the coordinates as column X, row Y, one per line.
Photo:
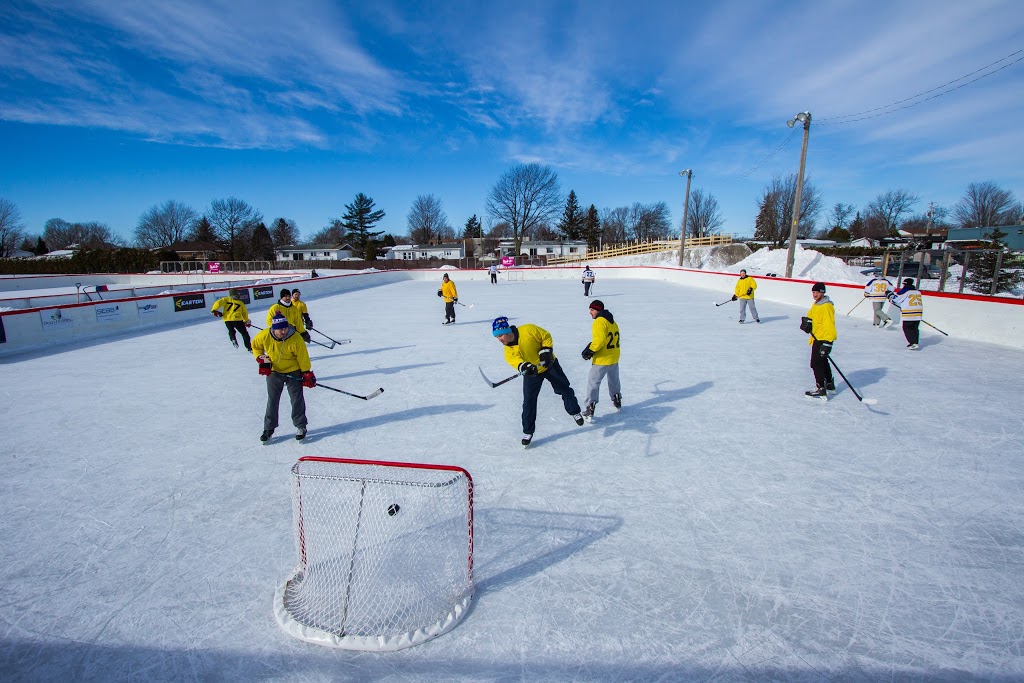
column 379, row 371
column 347, row 426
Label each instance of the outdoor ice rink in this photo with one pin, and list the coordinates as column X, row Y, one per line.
column 722, row 527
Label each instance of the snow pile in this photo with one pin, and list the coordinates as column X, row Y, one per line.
column 807, row 265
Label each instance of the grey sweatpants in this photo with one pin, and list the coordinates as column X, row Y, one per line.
column 275, row 385
column 880, row 314
column 743, row 309
column 597, row 374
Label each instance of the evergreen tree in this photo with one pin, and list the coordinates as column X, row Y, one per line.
column 592, row 229
column 571, row 224
column 982, row 267
column 202, row 231
column 359, row 220
column 474, row 228
column 262, row 244
column 284, row 232
column 857, row 227
column 40, row 247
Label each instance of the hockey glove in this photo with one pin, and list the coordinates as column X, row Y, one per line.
column 265, row 366
column 750, row 290
column 547, row 357
column 307, row 321
column 527, row 368
column 734, row 297
column 248, row 323
column 588, row 352
column 308, row 379
column 439, row 293
column 805, row 324
column 826, row 348
column 455, row 300
column 305, row 337
column 218, row 314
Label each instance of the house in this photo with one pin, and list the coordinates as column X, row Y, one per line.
column 315, row 252
column 20, row 253
column 534, row 248
column 412, row 252
column 1014, row 239
column 863, row 242
column 194, row 251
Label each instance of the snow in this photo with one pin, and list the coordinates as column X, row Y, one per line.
column 722, row 526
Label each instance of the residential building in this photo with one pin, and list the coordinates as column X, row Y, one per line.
column 315, row 252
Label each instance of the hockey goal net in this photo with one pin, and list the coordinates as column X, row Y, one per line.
column 385, row 553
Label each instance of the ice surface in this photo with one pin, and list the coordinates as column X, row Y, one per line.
column 721, row 527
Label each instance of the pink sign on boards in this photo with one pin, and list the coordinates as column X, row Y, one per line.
column 508, row 261
column 214, row 266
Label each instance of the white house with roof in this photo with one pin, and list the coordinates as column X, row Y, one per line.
column 544, row 247
column 315, row 252
column 412, row 252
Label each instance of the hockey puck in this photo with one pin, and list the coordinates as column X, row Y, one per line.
column 393, row 509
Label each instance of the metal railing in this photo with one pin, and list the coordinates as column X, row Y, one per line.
column 220, row 267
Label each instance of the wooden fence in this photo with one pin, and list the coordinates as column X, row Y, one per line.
column 632, row 248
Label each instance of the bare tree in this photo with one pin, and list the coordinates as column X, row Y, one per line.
column 648, row 222
column 840, row 216
column 284, row 232
column 332, row 233
column 883, row 214
column 234, row 220
column 526, row 195
column 614, row 224
column 704, row 217
column 59, row 234
column 426, row 219
column 164, row 224
column 11, row 229
column 985, row 205
column 775, row 210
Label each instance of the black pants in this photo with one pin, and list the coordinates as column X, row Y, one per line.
column 449, row 310
column 912, row 331
column 821, row 367
column 275, row 385
column 240, row 327
column 494, row 278
column 531, row 390
column 586, row 288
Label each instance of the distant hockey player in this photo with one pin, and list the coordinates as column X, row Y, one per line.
column 313, row 274
column 588, row 280
column 820, row 324
column 284, row 361
column 744, row 291
column 603, row 352
column 302, row 308
column 284, row 307
column 493, row 270
column 235, row 317
column 878, row 290
column 911, row 304
column 528, row 348
column 450, row 296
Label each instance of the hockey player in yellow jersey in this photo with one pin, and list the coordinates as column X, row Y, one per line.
column 529, row 349
column 303, row 309
column 744, row 291
column 231, row 309
column 603, row 352
column 450, row 296
column 284, row 361
column 292, row 313
column 820, row 324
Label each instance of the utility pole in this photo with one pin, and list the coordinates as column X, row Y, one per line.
column 686, row 206
column 805, row 117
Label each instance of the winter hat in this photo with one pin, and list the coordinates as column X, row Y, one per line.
column 286, row 292
column 233, row 293
column 818, row 287
column 500, row 326
column 279, row 322
column 908, row 281
column 597, row 305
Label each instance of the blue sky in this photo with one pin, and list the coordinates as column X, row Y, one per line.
column 109, row 108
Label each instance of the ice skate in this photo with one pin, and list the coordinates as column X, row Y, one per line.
column 830, row 386
column 818, row 393
column 300, row 434
column 265, row 436
column 588, row 412
column 527, row 438
column 617, row 401
column 579, row 419
column 234, row 343
column 912, row 347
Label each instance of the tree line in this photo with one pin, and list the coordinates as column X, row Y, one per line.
column 525, row 202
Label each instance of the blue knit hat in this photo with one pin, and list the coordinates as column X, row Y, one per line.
column 279, row 322
column 500, row 326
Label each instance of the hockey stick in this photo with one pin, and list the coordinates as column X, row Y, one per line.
column 312, row 340
column 855, row 307
column 462, row 304
column 374, row 394
column 933, row 327
column 723, row 303
column 869, row 401
column 336, row 341
column 498, row 383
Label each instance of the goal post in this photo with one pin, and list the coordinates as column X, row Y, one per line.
column 385, row 553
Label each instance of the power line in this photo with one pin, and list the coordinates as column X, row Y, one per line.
column 764, row 160
column 889, row 108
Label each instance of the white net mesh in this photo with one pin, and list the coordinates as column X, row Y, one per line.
column 385, row 553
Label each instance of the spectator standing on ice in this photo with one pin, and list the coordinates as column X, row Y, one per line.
column 529, row 349
column 232, row 310
column 820, row 324
column 302, row 308
column 588, row 280
column 603, row 352
column 744, row 291
column 878, row 290
column 290, row 312
column 911, row 304
column 493, row 270
column 284, row 361
column 450, row 296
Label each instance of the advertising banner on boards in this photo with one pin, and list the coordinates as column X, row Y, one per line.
column 107, row 313
column 189, row 302
column 266, row 292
